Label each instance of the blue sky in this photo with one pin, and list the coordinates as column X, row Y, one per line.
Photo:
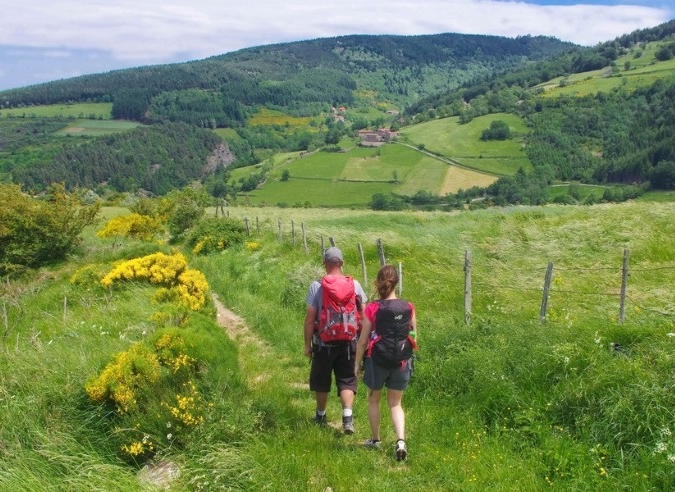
column 43, row 40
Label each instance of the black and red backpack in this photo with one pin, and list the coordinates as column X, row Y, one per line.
column 339, row 318
column 392, row 343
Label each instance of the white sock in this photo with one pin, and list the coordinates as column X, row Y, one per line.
column 346, row 412
column 321, row 413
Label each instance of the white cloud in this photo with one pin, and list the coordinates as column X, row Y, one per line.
column 155, row 31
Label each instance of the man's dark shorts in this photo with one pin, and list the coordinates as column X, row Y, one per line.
column 338, row 359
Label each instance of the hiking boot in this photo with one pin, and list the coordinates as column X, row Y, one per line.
column 348, row 425
column 372, row 443
column 320, row 419
column 401, row 451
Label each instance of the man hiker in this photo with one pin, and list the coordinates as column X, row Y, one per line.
column 334, row 309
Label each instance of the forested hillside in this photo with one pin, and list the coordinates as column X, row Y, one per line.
column 309, row 95
column 623, row 135
column 157, row 158
column 399, row 68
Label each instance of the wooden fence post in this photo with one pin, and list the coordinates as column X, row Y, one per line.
column 257, row 225
column 248, row 232
column 323, row 248
column 547, row 288
column 467, row 286
column 380, row 251
column 280, row 235
column 400, row 278
column 624, row 285
column 292, row 232
column 332, row 241
column 363, row 266
column 304, row 238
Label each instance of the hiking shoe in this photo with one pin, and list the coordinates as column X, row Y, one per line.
column 372, row 443
column 348, row 425
column 320, row 419
column 401, row 451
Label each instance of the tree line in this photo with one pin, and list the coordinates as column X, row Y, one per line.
column 156, row 158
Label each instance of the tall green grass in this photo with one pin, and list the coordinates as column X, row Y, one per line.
column 503, row 403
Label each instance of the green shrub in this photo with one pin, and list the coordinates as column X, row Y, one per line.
column 153, row 394
column 37, row 232
column 215, row 234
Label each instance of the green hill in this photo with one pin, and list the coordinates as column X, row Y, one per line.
column 569, row 113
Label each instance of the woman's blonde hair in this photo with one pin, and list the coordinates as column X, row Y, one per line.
column 387, row 278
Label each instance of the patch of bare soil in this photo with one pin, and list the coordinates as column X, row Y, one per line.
column 235, row 326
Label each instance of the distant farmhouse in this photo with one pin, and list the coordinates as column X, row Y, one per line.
column 375, row 138
column 338, row 113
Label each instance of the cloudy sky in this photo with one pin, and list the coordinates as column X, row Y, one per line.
column 42, row 40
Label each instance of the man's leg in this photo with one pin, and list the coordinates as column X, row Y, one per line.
column 346, row 398
column 321, row 401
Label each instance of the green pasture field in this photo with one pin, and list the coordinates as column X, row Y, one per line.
column 76, row 110
column 369, row 112
column 658, row 196
column 272, row 117
column 350, row 178
column 97, row 127
column 317, row 192
column 584, row 190
column 462, row 143
column 227, row 133
column 643, row 71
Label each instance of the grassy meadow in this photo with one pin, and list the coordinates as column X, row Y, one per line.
column 462, row 143
column 350, row 178
column 504, row 403
column 94, row 128
column 637, row 68
column 74, row 110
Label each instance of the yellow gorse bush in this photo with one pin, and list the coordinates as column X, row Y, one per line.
column 138, row 226
column 189, row 406
column 121, row 380
column 171, row 352
column 252, row 246
column 151, row 388
column 169, row 270
column 192, row 287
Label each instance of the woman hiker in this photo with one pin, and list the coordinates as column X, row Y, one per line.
column 385, row 345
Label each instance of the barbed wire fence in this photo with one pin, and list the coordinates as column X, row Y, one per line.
column 618, row 274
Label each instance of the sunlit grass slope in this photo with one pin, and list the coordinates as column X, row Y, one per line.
column 351, row 177
column 461, row 143
column 580, row 401
column 75, row 110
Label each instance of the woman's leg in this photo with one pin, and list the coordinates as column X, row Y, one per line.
column 374, row 413
column 394, row 398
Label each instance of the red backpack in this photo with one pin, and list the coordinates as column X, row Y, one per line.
column 339, row 318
